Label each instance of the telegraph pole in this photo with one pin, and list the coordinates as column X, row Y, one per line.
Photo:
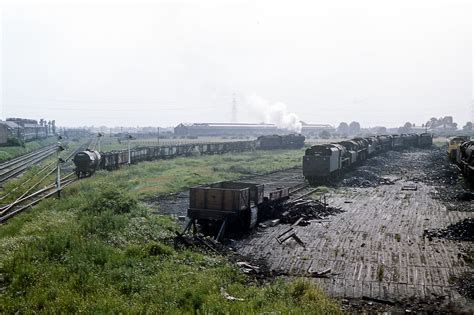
column 129, row 153
column 158, row 136
column 99, row 135
column 234, row 109
column 60, row 161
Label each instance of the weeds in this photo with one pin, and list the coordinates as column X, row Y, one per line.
column 398, row 237
column 380, row 273
column 99, row 250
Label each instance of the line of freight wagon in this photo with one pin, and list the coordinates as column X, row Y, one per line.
column 88, row 161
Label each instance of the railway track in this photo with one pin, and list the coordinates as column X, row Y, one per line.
column 30, row 197
column 17, row 166
column 24, row 202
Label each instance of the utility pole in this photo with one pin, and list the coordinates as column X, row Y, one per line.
column 60, row 161
column 158, row 136
column 99, row 135
column 129, row 153
column 234, row 109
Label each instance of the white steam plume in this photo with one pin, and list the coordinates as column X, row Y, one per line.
column 274, row 113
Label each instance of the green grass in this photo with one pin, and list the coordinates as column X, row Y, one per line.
column 380, row 273
column 7, row 153
column 149, row 178
column 100, row 250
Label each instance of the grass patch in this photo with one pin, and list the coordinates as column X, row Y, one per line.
column 380, row 273
column 397, row 237
column 149, row 178
column 100, row 250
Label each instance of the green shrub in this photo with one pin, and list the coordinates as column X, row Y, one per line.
column 112, row 198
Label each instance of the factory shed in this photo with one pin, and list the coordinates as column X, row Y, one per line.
column 315, row 129
column 225, row 129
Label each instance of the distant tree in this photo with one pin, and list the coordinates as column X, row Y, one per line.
column 354, row 128
column 407, row 125
column 343, row 128
column 324, row 134
column 467, row 126
column 444, row 122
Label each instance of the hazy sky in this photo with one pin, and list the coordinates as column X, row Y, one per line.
column 164, row 62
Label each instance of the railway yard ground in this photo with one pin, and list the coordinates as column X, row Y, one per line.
column 403, row 241
column 396, row 236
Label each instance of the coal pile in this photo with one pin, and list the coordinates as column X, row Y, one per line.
column 465, row 285
column 465, row 196
column 439, row 169
column 460, row 231
column 362, row 177
column 303, row 210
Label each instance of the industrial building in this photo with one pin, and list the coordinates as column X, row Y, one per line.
column 29, row 129
column 226, row 129
column 24, row 129
column 3, row 133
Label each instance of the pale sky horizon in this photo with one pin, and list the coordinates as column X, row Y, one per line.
column 159, row 63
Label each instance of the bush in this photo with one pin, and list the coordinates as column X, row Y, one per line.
column 15, row 142
column 112, row 198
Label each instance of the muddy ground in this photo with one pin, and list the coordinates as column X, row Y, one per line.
column 393, row 247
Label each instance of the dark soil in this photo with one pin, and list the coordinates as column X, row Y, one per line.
column 460, row 231
column 173, row 203
column 465, row 285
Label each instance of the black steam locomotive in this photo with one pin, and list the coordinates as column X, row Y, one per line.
column 324, row 160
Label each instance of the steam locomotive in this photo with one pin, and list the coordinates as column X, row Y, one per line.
column 322, row 161
column 461, row 152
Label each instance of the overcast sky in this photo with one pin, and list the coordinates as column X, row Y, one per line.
column 157, row 64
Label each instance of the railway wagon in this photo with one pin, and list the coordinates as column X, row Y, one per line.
column 280, row 142
column 410, row 140
column 113, row 160
column 293, row 141
column 425, row 140
column 230, row 206
column 86, row 163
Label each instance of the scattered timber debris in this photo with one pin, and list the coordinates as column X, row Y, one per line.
column 410, row 187
column 319, row 274
column 248, row 268
column 290, row 233
column 304, row 210
column 198, row 240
